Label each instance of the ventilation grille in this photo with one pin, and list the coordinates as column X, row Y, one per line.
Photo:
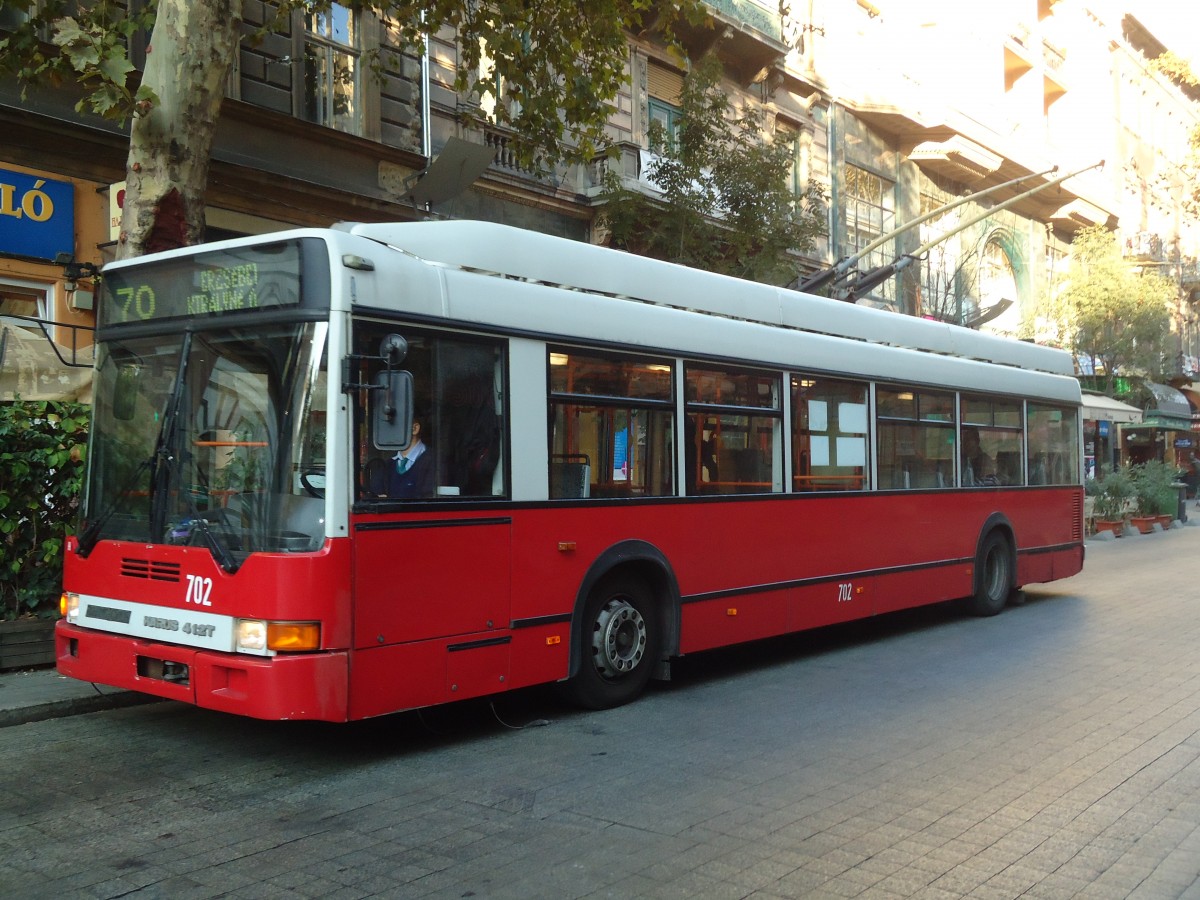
column 151, row 570
column 1077, row 517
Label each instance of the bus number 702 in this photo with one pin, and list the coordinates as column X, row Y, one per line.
column 199, row 590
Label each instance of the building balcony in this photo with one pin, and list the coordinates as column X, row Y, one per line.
column 1145, row 246
column 1189, row 275
column 746, row 34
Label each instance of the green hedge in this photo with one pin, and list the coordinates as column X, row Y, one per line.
column 42, row 450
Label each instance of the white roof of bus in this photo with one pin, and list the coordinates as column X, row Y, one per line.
column 502, row 250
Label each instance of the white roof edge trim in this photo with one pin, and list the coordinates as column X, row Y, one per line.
column 487, row 247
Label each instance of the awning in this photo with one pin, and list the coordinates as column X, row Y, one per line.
column 1171, row 409
column 1191, row 393
column 1167, row 423
column 1106, row 409
column 1154, row 426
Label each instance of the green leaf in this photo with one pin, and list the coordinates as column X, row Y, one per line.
column 117, row 66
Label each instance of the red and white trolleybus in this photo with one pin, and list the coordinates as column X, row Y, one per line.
column 338, row 473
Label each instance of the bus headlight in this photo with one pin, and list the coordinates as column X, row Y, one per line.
column 262, row 637
column 68, row 606
column 251, row 636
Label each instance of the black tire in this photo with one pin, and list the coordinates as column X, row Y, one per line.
column 993, row 576
column 618, row 643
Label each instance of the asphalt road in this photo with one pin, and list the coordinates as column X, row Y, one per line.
column 1050, row 752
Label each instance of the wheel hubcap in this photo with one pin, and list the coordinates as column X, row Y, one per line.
column 619, row 639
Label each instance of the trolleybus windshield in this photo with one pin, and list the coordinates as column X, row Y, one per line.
column 209, row 413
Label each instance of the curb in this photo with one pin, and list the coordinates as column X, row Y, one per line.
column 73, row 706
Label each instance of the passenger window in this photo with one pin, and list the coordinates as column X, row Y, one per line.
column 990, row 453
column 732, row 431
column 829, row 434
column 1053, row 444
column 916, row 439
column 612, row 426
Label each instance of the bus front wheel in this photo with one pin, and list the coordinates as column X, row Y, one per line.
column 618, row 643
column 993, row 576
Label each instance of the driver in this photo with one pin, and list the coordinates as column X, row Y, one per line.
column 412, row 473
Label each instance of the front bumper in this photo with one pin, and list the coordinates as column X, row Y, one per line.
column 300, row 686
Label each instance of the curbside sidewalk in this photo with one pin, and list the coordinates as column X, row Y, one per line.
column 38, row 694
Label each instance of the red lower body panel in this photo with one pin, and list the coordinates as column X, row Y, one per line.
column 304, row 686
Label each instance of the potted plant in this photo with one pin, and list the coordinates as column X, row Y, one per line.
column 1112, row 493
column 1153, row 494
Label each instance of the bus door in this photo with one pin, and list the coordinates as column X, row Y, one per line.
column 431, row 556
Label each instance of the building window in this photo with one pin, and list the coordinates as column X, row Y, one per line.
column 22, row 299
column 667, row 116
column 497, row 104
column 31, row 369
column 869, row 204
column 12, row 18
column 786, row 134
column 665, row 87
column 332, row 90
column 998, row 282
column 941, row 287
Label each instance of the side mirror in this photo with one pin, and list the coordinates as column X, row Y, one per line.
column 392, row 412
column 393, row 349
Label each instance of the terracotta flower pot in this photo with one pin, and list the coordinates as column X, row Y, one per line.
column 1144, row 524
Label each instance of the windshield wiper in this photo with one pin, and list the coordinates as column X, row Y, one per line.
column 91, row 534
column 163, row 461
column 161, row 464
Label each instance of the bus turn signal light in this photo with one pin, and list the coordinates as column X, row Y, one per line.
column 264, row 638
column 68, row 606
column 293, row 636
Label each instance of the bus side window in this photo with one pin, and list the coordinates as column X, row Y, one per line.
column 458, row 402
column 734, row 430
column 611, row 426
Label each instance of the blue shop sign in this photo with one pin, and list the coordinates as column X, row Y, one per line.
column 1102, row 427
column 37, row 215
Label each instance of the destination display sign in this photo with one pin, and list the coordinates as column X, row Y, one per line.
column 207, row 284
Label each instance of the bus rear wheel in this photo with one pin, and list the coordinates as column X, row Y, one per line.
column 618, row 644
column 993, row 576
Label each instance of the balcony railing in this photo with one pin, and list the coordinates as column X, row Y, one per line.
column 756, row 15
column 1145, row 246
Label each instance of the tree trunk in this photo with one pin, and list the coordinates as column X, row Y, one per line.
column 188, row 63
